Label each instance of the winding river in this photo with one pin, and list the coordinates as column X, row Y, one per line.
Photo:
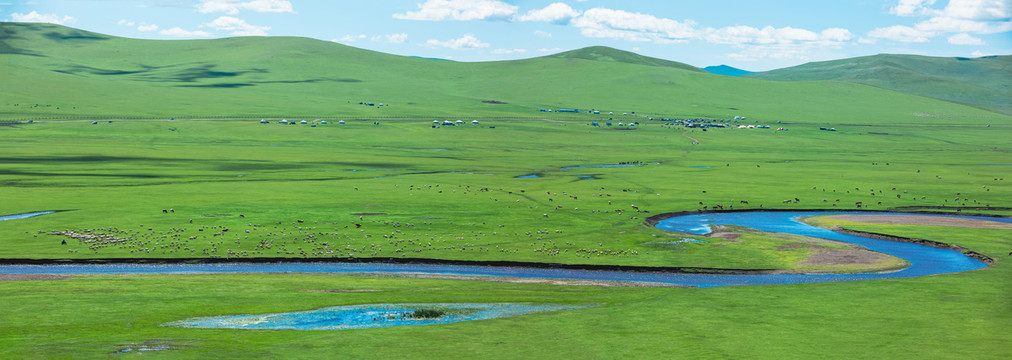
column 923, row 260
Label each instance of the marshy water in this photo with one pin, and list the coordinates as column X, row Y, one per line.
column 584, row 177
column 371, row 316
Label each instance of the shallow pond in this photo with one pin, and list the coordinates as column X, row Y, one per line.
column 370, row 316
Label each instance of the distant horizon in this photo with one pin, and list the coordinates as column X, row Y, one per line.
column 560, row 52
column 741, row 34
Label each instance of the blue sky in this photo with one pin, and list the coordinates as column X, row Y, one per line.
column 753, row 35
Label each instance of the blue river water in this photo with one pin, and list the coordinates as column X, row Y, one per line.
column 923, row 260
column 24, row 216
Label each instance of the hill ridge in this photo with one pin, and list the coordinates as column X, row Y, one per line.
column 970, row 81
column 57, row 72
column 604, row 53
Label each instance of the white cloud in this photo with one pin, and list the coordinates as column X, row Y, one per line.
column 958, row 16
column 391, row 38
column 467, row 41
column 237, row 26
column 978, row 53
column 623, row 25
column 942, row 24
column 777, row 43
column 350, row 38
column 508, row 51
column 151, row 27
column 980, row 10
column 125, row 22
column 912, row 7
column 965, row 39
column 179, row 32
column 560, row 13
column 754, row 43
column 35, row 17
column 439, row 10
column 836, row 35
column 232, row 7
column 543, row 34
column 551, row 50
column 797, row 40
column 901, row 33
column 778, row 51
column 738, row 35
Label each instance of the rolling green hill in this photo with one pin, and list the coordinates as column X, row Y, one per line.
column 56, row 72
column 603, row 53
column 982, row 82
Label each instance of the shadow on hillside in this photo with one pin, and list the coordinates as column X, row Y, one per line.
column 191, row 75
column 5, row 48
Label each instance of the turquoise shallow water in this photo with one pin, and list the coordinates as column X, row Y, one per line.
column 369, row 316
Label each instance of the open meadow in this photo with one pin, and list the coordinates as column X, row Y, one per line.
column 405, row 189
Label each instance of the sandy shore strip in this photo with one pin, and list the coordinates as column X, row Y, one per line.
column 24, row 277
column 519, row 280
column 923, row 220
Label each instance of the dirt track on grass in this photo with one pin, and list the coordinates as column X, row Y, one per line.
column 694, row 141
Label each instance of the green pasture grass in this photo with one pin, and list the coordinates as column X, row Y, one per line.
column 941, row 317
column 404, row 189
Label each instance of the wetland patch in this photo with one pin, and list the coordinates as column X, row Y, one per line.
column 371, row 316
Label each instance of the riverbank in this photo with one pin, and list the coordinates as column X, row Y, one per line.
column 386, row 260
column 935, row 244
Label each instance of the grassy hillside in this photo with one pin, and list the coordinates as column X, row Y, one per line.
column 88, row 75
column 604, row 53
column 981, row 82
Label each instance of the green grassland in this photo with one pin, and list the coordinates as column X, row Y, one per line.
column 937, row 317
column 405, row 189
column 963, row 80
